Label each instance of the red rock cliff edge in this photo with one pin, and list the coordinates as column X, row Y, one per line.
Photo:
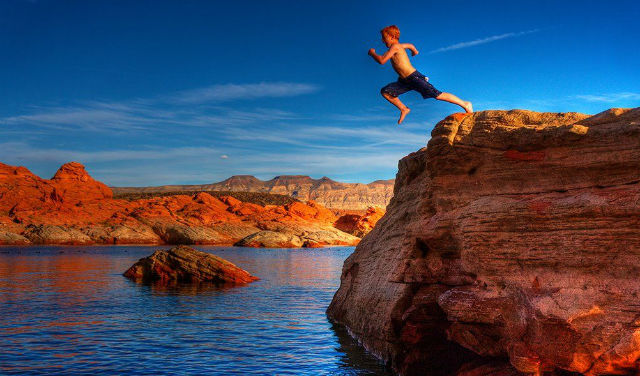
column 513, row 236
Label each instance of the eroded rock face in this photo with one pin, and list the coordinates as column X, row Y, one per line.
column 10, row 238
column 276, row 235
column 359, row 225
column 185, row 264
column 52, row 234
column 270, row 239
column 512, row 235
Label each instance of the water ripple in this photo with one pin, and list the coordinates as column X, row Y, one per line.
column 69, row 310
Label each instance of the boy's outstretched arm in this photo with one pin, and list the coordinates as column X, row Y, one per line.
column 381, row 59
column 414, row 50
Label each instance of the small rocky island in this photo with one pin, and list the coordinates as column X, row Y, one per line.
column 185, row 264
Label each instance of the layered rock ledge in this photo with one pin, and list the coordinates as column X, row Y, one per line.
column 514, row 236
column 185, row 264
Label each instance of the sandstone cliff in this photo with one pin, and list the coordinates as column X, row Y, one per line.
column 513, row 236
column 73, row 208
column 326, row 192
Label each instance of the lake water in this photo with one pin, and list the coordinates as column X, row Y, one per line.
column 69, row 310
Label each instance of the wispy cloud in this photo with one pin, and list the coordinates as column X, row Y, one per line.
column 176, row 109
column 227, row 92
column 129, row 117
column 81, row 117
column 382, row 165
column 11, row 151
column 153, row 165
column 610, row 97
column 325, row 137
column 196, row 136
column 477, row 42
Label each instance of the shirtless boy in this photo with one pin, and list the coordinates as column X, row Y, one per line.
column 409, row 78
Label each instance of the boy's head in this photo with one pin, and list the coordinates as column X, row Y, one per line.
column 390, row 35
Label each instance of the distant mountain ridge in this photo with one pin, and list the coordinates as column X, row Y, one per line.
column 329, row 193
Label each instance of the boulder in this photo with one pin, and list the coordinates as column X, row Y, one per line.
column 270, row 239
column 184, row 264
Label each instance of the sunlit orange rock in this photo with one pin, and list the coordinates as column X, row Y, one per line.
column 513, row 235
column 73, row 208
column 359, row 225
column 73, row 184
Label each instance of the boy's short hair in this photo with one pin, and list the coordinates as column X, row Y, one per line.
column 391, row 31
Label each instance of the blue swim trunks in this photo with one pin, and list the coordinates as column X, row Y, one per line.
column 415, row 81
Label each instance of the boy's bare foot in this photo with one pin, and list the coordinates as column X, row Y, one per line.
column 468, row 107
column 403, row 113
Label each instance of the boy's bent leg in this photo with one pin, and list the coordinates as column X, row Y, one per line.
column 391, row 93
column 404, row 110
column 448, row 97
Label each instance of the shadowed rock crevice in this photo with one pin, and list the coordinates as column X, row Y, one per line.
column 514, row 236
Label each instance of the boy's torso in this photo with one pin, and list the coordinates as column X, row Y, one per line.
column 401, row 64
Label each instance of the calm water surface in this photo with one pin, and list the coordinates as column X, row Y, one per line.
column 69, row 310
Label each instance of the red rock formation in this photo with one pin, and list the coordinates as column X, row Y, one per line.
column 73, row 208
column 359, row 225
column 513, row 235
column 74, row 184
column 185, row 264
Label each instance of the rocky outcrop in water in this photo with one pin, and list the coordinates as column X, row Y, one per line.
column 185, row 264
column 513, row 237
column 73, row 208
column 327, row 192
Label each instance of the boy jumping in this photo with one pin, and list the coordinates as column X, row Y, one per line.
column 409, row 78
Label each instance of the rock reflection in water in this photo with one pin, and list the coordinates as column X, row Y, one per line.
column 183, row 288
column 354, row 355
column 75, row 313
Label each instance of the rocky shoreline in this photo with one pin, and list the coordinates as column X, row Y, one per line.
column 73, row 208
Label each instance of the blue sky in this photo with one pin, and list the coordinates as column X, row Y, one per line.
column 187, row 92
